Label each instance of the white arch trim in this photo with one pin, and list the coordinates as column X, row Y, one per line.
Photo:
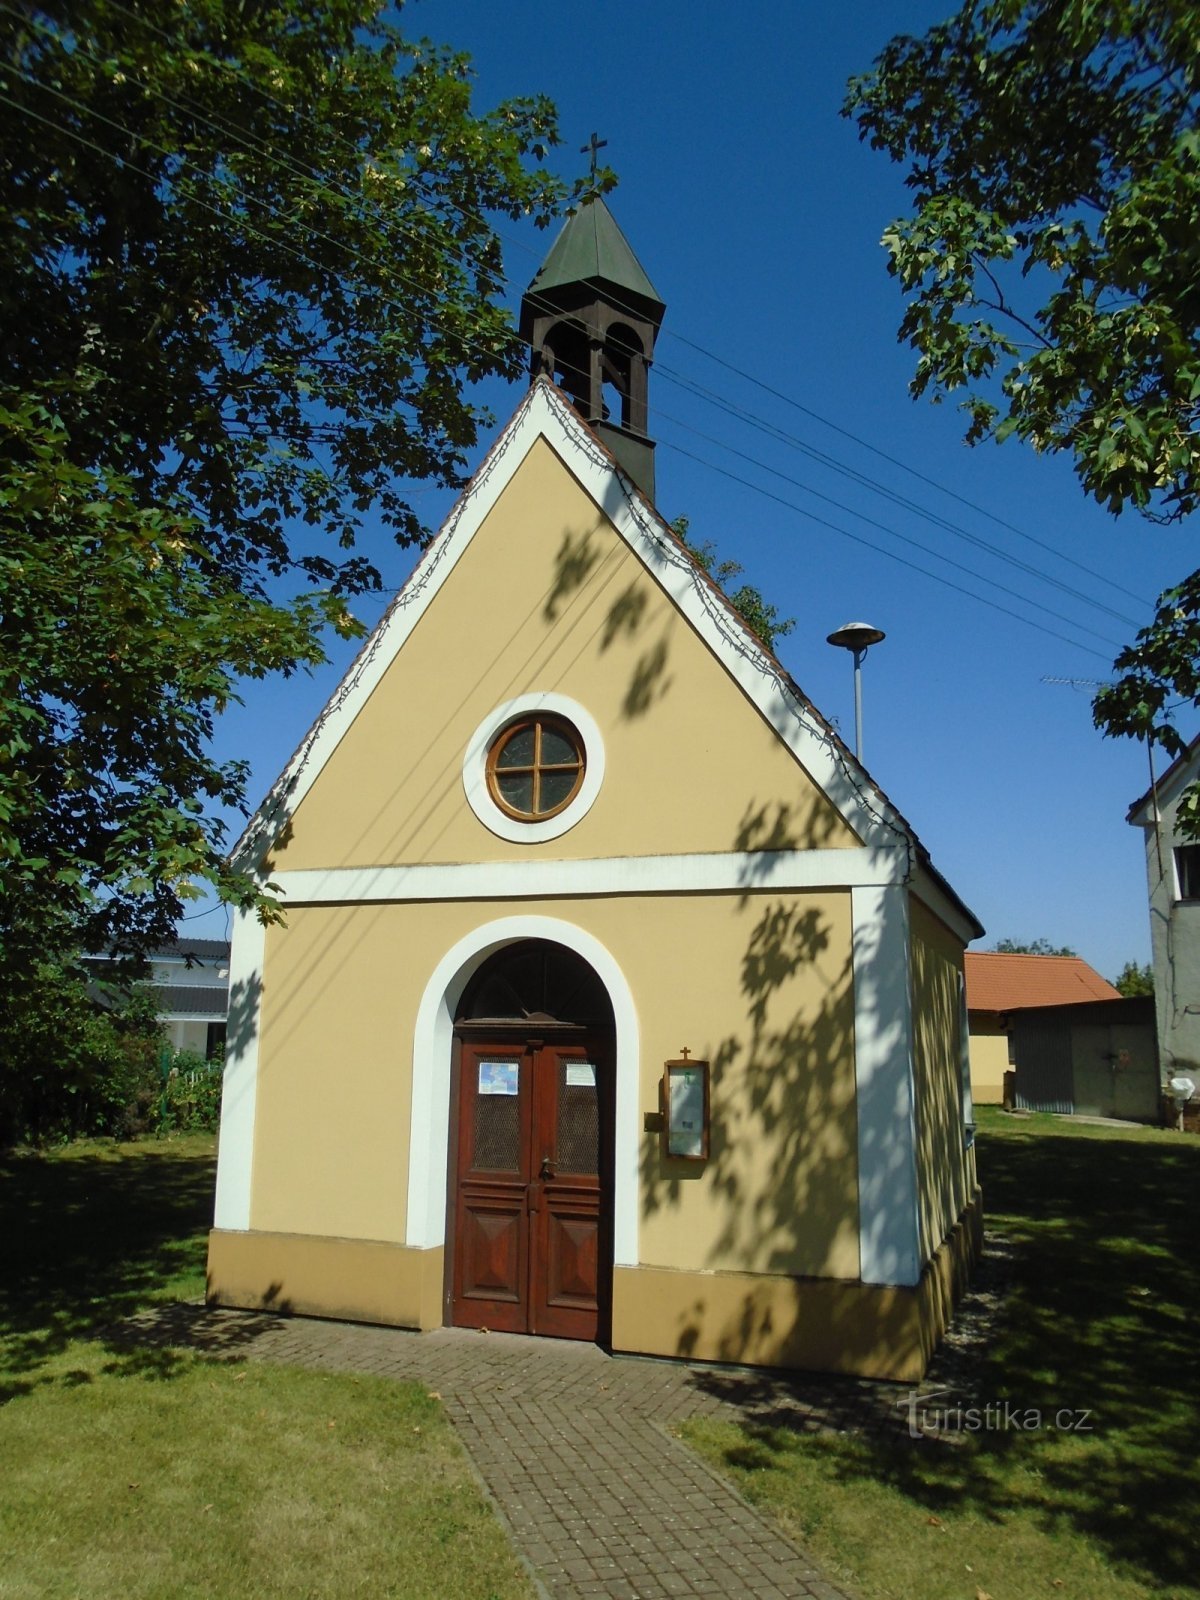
column 429, row 1135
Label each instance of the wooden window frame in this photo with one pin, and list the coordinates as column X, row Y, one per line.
column 537, row 720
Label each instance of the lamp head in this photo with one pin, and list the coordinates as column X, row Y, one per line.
column 856, row 636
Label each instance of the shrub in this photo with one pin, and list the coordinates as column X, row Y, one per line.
column 90, row 1058
column 190, row 1101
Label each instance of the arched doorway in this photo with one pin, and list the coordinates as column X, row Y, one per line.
column 531, row 1146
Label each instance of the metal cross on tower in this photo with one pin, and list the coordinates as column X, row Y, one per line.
column 593, row 144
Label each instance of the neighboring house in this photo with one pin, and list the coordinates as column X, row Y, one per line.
column 192, row 979
column 998, row 986
column 1173, row 877
column 614, row 999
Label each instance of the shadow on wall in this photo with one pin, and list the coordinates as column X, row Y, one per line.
column 782, row 1153
column 575, row 561
column 245, row 999
column 938, row 1084
column 776, row 825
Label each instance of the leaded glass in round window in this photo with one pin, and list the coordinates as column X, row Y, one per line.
column 535, row 767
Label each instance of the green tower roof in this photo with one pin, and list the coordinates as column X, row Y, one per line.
column 591, row 246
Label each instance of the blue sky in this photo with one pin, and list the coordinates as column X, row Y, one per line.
column 757, row 214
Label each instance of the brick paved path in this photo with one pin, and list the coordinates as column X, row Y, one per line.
column 574, row 1448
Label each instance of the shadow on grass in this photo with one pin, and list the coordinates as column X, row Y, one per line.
column 89, row 1237
column 1100, row 1317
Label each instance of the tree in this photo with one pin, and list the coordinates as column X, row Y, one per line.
column 248, row 278
column 1052, row 261
column 70, row 1066
column 1033, row 947
column 1133, row 980
column 755, row 610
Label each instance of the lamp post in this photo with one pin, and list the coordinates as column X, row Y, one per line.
column 857, row 637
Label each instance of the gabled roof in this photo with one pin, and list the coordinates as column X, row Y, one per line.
column 546, row 413
column 1000, row 982
column 1181, row 771
column 591, row 247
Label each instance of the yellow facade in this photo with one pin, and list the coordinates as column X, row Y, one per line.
column 760, row 1252
column 989, row 1059
column 760, row 983
column 549, row 598
column 315, row 1275
column 945, row 1169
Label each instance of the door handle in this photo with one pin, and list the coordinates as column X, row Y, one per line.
column 547, row 1168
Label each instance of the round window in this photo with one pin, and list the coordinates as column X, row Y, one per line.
column 536, row 766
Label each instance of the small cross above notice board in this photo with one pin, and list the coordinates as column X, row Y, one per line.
column 685, row 1109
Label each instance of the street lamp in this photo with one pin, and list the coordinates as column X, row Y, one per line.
column 858, row 637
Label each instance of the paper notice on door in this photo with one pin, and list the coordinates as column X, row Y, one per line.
column 498, row 1077
column 581, row 1075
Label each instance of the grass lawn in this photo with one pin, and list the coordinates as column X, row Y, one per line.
column 158, row 1473
column 1101, row 1314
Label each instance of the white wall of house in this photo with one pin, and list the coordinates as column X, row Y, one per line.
column 1173, row 878
column 187, row 1033
column 199, row 976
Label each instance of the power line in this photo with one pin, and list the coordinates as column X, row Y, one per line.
column 892, row 533
column 863, row 479
column 309, row 175
column 904, row 466
column 890, row 554
column 468, row 343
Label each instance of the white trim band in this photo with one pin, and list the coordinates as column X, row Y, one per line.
column 741, row 871
column 888, row 1215
column 239, row 1092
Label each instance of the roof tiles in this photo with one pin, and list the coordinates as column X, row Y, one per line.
column 1000, row 982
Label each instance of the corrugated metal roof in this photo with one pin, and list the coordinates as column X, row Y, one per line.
column 199, row 949
column 194, row 1000
column 1000, row 982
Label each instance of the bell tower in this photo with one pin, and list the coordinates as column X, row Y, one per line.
column 590, row 317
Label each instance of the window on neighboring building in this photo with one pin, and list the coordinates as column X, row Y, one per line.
column 535, row 767
column 1187, row 871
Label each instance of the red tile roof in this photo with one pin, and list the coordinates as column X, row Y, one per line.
column 997, row 982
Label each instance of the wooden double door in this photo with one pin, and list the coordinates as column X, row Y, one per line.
column 532, row 1199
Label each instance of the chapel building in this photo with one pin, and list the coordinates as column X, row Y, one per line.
column 615, row 1000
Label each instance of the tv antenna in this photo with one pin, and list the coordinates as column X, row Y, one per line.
column 1081, row 683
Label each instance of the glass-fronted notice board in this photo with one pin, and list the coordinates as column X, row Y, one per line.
column 685, row 1102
